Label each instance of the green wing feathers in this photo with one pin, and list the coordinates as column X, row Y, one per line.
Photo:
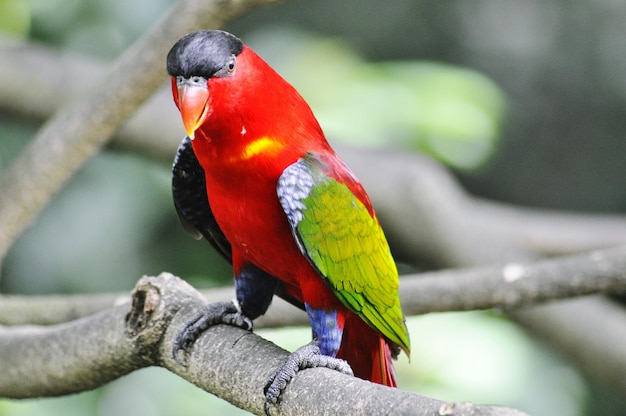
column 347, row 246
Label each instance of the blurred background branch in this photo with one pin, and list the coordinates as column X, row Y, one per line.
column 509, row 287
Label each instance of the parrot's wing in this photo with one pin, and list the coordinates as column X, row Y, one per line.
column 343, row 240
column 191, row 202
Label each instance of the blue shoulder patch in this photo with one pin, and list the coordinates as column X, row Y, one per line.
column 294, row 185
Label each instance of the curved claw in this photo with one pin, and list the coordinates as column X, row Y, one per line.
column 213, row 314
column 307, row 356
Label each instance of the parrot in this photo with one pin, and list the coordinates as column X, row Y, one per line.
column 256, row 177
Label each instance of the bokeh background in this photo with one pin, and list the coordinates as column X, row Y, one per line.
column 523, row 100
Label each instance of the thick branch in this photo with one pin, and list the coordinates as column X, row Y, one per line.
column 229, row 362
column 79, row 129
column 504, row 287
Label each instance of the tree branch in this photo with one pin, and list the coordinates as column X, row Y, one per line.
column 83, row 126
column 67, row 358
column 229, row 362
column 507, row 287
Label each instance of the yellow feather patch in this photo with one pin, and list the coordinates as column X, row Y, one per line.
column 261, row 146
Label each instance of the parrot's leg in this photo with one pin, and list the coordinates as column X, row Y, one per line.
column 318, row 353
column 212, row 314
column 254, row 289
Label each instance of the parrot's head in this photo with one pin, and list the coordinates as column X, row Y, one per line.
column 194, row 61
column 227, row 93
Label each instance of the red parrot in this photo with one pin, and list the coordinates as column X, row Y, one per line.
column 257, row 178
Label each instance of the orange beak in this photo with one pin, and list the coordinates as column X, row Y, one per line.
column 193, row 103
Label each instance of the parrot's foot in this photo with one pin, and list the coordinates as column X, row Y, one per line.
column 212, row 314
column 308, row 356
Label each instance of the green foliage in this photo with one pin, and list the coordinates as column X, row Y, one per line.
column 14, row 18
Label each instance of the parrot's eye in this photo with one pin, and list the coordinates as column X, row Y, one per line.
column 229, row 68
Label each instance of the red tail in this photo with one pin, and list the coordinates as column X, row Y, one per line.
column 367, row 352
